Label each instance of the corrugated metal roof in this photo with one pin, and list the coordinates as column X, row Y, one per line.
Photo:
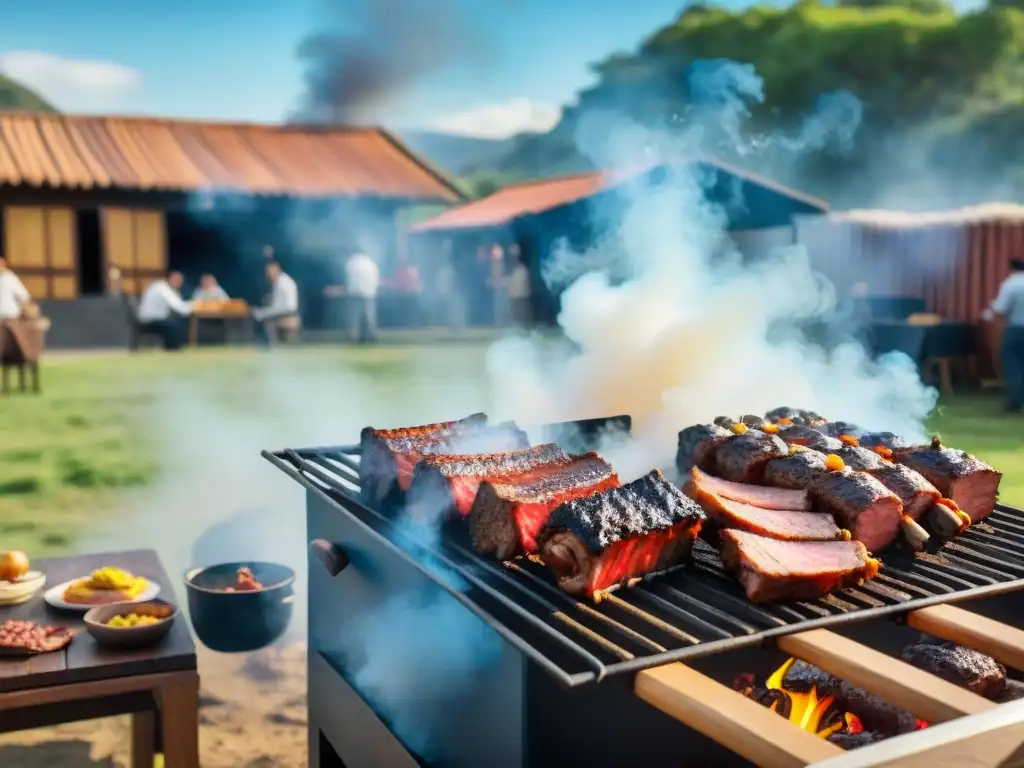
column 986, row 212
column 84, row 152
column 515, row 200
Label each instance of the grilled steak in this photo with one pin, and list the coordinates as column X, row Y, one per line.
column 443, row 485
column 796, row 470
column 742, row 457
column 967, row 480
column 809, row 437
column 956, row 664
column 788, row 525
column 599, row 541
column 916, row 493
column 771, row 570
column 390, row 455
column 876, row 714
column 507, row 516
column 860, row 459
column 861, row 505
column 697, row 446
column 886, row 440
column 754, row 495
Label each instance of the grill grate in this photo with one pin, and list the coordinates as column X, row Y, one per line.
column 696, row 611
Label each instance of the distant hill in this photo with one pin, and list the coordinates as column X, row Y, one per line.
column 14, row 96
column 456, row 154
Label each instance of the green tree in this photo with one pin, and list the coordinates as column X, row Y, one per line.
column 14, row 96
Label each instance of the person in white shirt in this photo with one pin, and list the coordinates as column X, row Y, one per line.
column 13, row 295
column 162, row 311
column 1009, row 303
column 209, row 290
column 519, row 293
column 362, row 281
column 283, row 304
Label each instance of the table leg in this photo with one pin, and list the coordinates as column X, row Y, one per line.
column 34, row 370
column 21, row 378
column 5, row 374
column 193, row 331
column 179, row 716
column 143, row 740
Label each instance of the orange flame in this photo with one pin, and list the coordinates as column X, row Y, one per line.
column 807, row 710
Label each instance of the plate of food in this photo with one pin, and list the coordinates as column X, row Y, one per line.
column 28, row 638
column 103, row 586
column 18, row 583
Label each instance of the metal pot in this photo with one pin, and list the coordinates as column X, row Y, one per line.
column 235, row 622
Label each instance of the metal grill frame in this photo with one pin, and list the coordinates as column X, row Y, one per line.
column 734, row 622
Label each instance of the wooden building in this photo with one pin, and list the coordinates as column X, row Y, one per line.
column 585, row 209
column 80, row 195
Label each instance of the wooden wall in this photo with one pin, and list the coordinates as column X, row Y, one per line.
column 135, row 242
column 41, row 245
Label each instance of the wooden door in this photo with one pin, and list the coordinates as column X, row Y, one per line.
column 135, row 242
column 41, row 246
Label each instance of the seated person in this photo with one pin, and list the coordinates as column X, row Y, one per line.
column 283, row 304
column 209, row 290
column 162, row 311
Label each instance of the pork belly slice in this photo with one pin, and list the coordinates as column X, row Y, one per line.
column 600, row 541
column 507, row 516
column 445, row 486
column 697, row 447
column 771, row 570
column 967, row 480
column 788, row 525
column 809, row 437
column 861, row 505
column 956, row 664
column 795, row 471
column 754, row 495
column 742, row 458
column 916, row 493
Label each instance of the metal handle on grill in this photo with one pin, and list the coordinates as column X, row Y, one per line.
column 333, row 557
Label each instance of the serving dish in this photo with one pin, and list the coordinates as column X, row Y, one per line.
column 97, row 624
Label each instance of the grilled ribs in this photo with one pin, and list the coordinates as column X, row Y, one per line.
column 697, row 447
column 788, row 525
column 861, row 505
column 795, row 471
column 443, row 486
column 754, row 495
column 809, row 437
column 860, row 459
column 771, row 570
column 390, row 455
column 742, row 458
column 916, row 493
column 957, row 475
column 507, row 516
column 603, row 540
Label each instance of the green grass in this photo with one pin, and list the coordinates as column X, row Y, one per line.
column 71, row 457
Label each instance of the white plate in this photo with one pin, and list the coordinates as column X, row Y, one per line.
column 14, row 592
column 54, row 596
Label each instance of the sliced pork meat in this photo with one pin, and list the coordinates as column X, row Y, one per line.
column 956, row 664
column 809, row 437
column 771, row 570
column 742, row 458
column 754, row 495
column 788, row 525
column 697, row 447
column 860, row 459
column 445, row 485
column 861, row 505
column 916, row 493
column 389, row 456
column 507, row 516
column 797, row 470
column 957, row 475
column 600, row 541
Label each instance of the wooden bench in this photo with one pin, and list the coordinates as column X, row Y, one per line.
column 21, row 346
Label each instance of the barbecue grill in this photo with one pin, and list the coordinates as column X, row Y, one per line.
column 598, row 684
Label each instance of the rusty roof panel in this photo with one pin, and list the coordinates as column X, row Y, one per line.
column 144, row 153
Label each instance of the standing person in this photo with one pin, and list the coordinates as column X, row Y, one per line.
column 162, row 311
column 499, row 286
column 519, row 291
column 283, row 304
column 14, row 297
column 1009, row 302
column 209, row 290
column 362, row 281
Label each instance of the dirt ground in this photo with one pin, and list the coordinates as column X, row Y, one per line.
column 252, row 715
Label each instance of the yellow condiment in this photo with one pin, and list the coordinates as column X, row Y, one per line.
column 132, row 620
column 834, row 463
column 110, row 577
column 738, row 429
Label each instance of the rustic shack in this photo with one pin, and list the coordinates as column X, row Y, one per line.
column 80, row 195
column 586, row 209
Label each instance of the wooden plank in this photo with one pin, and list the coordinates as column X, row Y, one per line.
column 93, row 689
column 720, row 713
column 1000, row 641
column 63, row 286
column 37, row 285
column 24, row 237
column 150, row 241
column 118, row 238
column 61, row 239
column 923, row 694
column 992, row 739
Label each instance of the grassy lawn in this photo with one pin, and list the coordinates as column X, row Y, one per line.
column 117, row 436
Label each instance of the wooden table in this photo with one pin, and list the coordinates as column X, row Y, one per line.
column 230, row 311
column 84, row 682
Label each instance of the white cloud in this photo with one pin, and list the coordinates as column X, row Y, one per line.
column 499, row 121
column 72, row 84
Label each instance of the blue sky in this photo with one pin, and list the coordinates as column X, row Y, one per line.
column 234, row 59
